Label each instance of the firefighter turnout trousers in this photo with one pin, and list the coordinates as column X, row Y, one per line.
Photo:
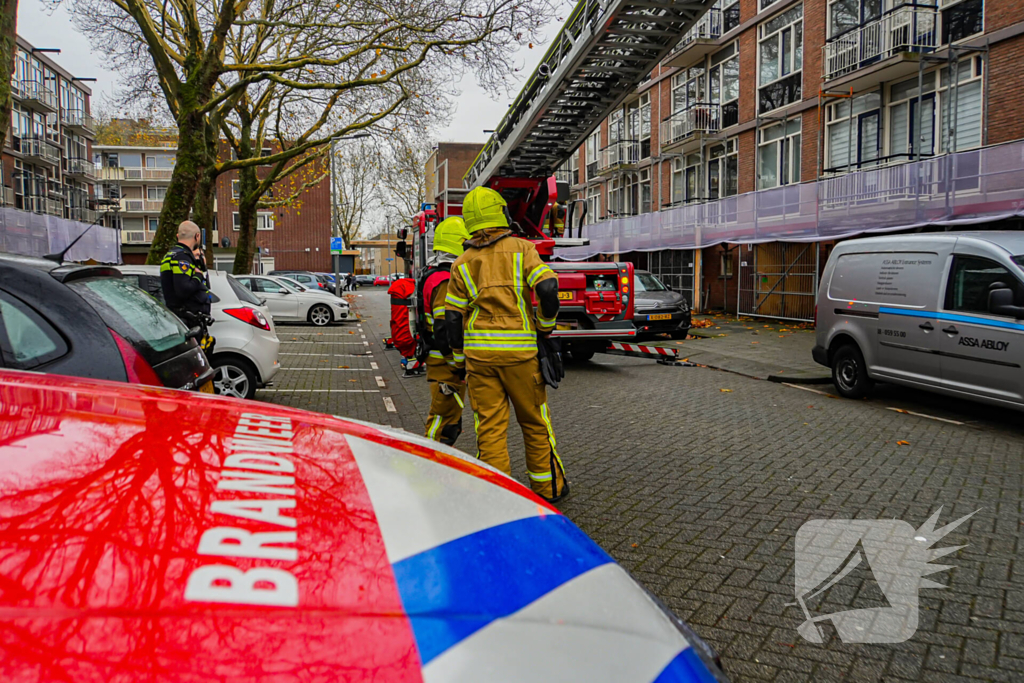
column 491, row 387
column 444, row 423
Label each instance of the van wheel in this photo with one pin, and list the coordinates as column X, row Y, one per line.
column 850, row 373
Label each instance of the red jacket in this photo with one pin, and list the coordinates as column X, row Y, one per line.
column 401, row 293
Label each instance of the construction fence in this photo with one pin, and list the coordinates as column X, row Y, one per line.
column 31, row 234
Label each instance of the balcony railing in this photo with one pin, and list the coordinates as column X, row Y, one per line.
column 35, row 92
column 140, row 205
column 38, row 148
column 83, row 214
column 136, row 236
column 82, row 167
column 709, row 27
column 76, row 118
column 147, row 173
column 907, row 28
column 568, row 176
column 621, row 153
column 700, row 117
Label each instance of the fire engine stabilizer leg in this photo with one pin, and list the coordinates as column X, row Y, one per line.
column 528, row 393
column 444, row 423
column 490, row 406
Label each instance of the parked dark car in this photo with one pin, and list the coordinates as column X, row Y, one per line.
column 658, row 309
column 303, row 277
column 87, row 321
column 365, row 280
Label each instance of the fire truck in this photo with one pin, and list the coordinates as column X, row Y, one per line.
column 604, row 50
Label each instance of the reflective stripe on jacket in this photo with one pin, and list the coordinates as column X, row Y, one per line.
column 491, row 285
column 184, row 285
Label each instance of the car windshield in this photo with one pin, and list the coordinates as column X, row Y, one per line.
column 243, row 294
column 1019, row 260
column 291, row 285
column 132, row 313
column 645, row 282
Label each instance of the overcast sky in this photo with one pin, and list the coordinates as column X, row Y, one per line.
column 475, row 112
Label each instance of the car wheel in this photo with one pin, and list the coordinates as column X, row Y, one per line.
column 320, row 315
column 679, row 334
column 235, row 377
column 581, row 353
column 849, row 372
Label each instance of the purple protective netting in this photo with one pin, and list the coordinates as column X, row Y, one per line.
column 31, row 234
column 956, row 189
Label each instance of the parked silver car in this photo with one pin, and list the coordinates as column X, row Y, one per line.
column 246, row 353
column 291, row 302
column 942, row 312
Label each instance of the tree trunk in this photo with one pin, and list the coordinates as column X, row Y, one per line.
column 205, row 194
column 181, row 193
column 247, row 202
column 8, row 48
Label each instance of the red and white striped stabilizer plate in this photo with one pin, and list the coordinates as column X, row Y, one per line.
column 641, row 351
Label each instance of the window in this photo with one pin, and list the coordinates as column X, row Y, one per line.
column 780, row 59
column 615, row 127
column 962, row 20
column 594, row 205
column 846, row 15
column 853, row 141
column 243, row 294
column 730, row 14
column 725, row 265
column 723, row 170
column 156, row 193
column 153, row 223
column 640, row 124
column 724, row 83
column 688, row 88
column 778, row 155
column 593, row 149
column 266, row 152
column 903, row 116
column 645, row 191
column 970, row 280
column 265, row 221
column 686, row 183
column 269, row 286
column 134, row 315
column 26, row 339
column 234, row 189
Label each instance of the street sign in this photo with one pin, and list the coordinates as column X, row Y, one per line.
column 337, row 245
column 389, row 259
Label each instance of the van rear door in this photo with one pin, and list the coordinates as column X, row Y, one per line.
column 981, row 353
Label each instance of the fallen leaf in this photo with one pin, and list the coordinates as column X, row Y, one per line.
column 900, row 410
column 635, row 545
column 831, row 396
column 353, row 380
column 726, row 391
column 755, row 342
column 902, row 443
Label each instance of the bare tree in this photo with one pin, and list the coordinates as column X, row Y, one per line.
column 8, row 48
column 403, row 188
column 354, row 176
column 362, row 57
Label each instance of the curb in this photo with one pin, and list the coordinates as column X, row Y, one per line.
column 789, row 379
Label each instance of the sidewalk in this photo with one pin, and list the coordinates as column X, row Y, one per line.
column 772, row 350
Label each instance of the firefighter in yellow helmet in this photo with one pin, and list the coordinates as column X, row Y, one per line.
column 492, row 329
column 447, row 389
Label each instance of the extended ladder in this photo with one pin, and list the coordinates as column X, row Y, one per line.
column 604, row 50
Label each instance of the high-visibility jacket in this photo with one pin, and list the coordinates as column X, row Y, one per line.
column 401, row 298
column 183, row 283
column 440, row 361
column 490, row 286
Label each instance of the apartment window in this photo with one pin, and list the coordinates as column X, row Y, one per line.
column 593, row 149
column 962, row 20
column 730, row 14
column 594, row 204
column 645, row 191
column 574, row 167
column 853, row 140
column 615, row 127
column 266, row 152
column 723, row 170
column 780, row 59
column 264, row 221
column 688, row 88
column 153, row 223
column 778, row 155
column 846, row 15
column 112, row 160
column 686, row 179
column 156, row 193
column 724, row 83
column 640, row 124
column 615, row 198
column 234, row 189
column 935, row 106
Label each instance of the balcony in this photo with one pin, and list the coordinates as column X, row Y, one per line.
column 570, row 176
column 619, row 156
column 685, row 125
column 37, row 95
column 882, row 50
column 37, row 149
column 81, row 168
column 78, row 121
column 142, row 205
column 137, row 236
column 82, row 214
column 698, row 42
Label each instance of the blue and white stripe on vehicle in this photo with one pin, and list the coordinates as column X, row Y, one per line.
column 952, row 317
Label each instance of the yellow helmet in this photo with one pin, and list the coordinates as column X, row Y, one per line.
column 484, row 208
column 450, row 234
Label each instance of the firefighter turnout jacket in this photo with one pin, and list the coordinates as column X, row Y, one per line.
column 183, row 281
column 490, row 290
column 447, row 390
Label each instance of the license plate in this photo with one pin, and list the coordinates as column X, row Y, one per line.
column 565, row 295
column 207, row 388
column 660, row 316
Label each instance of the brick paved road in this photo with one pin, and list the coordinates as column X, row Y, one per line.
column 699, row 492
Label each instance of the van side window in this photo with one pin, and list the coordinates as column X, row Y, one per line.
column 970, row 280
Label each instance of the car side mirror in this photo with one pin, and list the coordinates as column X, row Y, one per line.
column 1000, row 302
column 194, row 333
column 284, row 291
column 263, row 302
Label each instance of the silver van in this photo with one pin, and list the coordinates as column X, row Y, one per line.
column 942, row 312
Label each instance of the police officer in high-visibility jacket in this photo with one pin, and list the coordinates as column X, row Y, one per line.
column 447, row 389
column 492, row 329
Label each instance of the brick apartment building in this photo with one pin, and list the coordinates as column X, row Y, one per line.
column 47, row 164
column 756, row 100
column 289, row 238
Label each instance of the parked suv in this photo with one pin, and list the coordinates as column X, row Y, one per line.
column 87, row 321
column 658, row 309
column 246, row 353
column 942, row 312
